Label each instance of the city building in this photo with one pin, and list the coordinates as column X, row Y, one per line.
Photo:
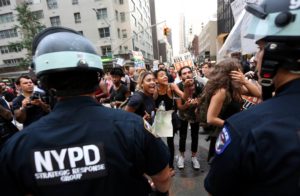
column 225, row 20
column 207, row 41
column 182, row 35
column 116, row 27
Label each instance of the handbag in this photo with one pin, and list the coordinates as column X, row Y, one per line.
column 7, row 129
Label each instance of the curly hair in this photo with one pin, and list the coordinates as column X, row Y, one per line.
column 220, row 78
column 141, row 78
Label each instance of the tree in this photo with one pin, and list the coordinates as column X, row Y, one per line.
column 28, row 27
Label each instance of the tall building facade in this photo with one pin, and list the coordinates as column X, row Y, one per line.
column 225, row 19
column 182, row 35
column 207, row 41
column 154, row 30
column 114, row 26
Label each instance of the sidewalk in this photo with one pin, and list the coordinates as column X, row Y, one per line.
column 189, row 182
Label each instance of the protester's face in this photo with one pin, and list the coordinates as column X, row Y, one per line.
column 161, row 66
column 172, row 70
column 26, row 85
column 162, row 78
column 131, row 70
column 148, row 84
column 2, row 86
column 186, row 73
column 205, row 70
column 116, row 79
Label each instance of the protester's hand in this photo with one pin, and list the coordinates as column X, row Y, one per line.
column 102, row 100
column 37, row 102
column 250, row 74
column 25, row 102
column 194, row 101
column 147, row 116
column 238, row 76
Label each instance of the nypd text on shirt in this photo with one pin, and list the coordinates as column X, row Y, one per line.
column 59, row 165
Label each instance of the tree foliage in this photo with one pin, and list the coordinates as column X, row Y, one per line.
column 28, row 26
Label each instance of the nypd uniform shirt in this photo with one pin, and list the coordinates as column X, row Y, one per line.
column 258, row 150
column 82, row 148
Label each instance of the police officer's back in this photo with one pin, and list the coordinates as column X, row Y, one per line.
column 81, row 147
column 258, row 151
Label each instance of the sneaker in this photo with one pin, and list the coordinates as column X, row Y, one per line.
column 180, row 162
column 195, row 163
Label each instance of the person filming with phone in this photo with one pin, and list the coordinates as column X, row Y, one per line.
column 29, row 106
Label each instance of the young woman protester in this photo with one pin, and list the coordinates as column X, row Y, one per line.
column 142, row 102
column 166, row 92
column 224, row 91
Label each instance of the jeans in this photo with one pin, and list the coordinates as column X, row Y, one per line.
column 183, row 135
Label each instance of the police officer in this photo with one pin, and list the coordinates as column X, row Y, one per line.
column 258, row 150
column 81, row 147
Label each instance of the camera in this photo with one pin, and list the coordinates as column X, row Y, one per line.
column 34, row 96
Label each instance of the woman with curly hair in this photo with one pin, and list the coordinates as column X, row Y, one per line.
column 224, row 91
column 142, row 102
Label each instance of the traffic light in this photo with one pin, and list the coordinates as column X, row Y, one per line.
column 166, row 31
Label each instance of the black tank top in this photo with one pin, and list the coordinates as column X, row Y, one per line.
column 168, row 101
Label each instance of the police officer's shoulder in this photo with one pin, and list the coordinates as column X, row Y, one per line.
column 244, row 120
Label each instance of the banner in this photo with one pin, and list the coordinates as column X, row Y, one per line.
column 183, row 60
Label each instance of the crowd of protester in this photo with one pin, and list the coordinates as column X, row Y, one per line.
column 141, row 91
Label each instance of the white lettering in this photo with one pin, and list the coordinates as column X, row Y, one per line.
column 93, row 149
column 75, row 154
column 294, row 4
column 59, row 157
column 42, row 161
column 70, row 178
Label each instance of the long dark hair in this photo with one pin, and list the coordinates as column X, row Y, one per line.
column 220, row 78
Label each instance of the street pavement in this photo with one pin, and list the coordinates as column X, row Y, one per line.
column 190, row 182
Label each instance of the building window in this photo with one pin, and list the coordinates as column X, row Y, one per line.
column 74, row 2
column 124, row 33
column 38, row 14
column 117, row 15
column 104, row 32
column 77, row 17
column 52, row 4
column 119, row 33
column 4, row 3
column 12, row 61
column 134, row 20
column 31, row 2
column 6, row 49
column 133, row 4
column 121, row 2
column 55, row 21
column 105, row 50
column 9, row 33
column 6, row 18
column 101, row 13
column 122, row 16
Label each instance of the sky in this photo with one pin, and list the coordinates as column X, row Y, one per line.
column 195, row 12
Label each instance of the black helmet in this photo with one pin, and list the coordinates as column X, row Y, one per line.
column 57, row 49
column 277, row 23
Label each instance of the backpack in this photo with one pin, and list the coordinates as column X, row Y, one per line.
column 201, row 111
